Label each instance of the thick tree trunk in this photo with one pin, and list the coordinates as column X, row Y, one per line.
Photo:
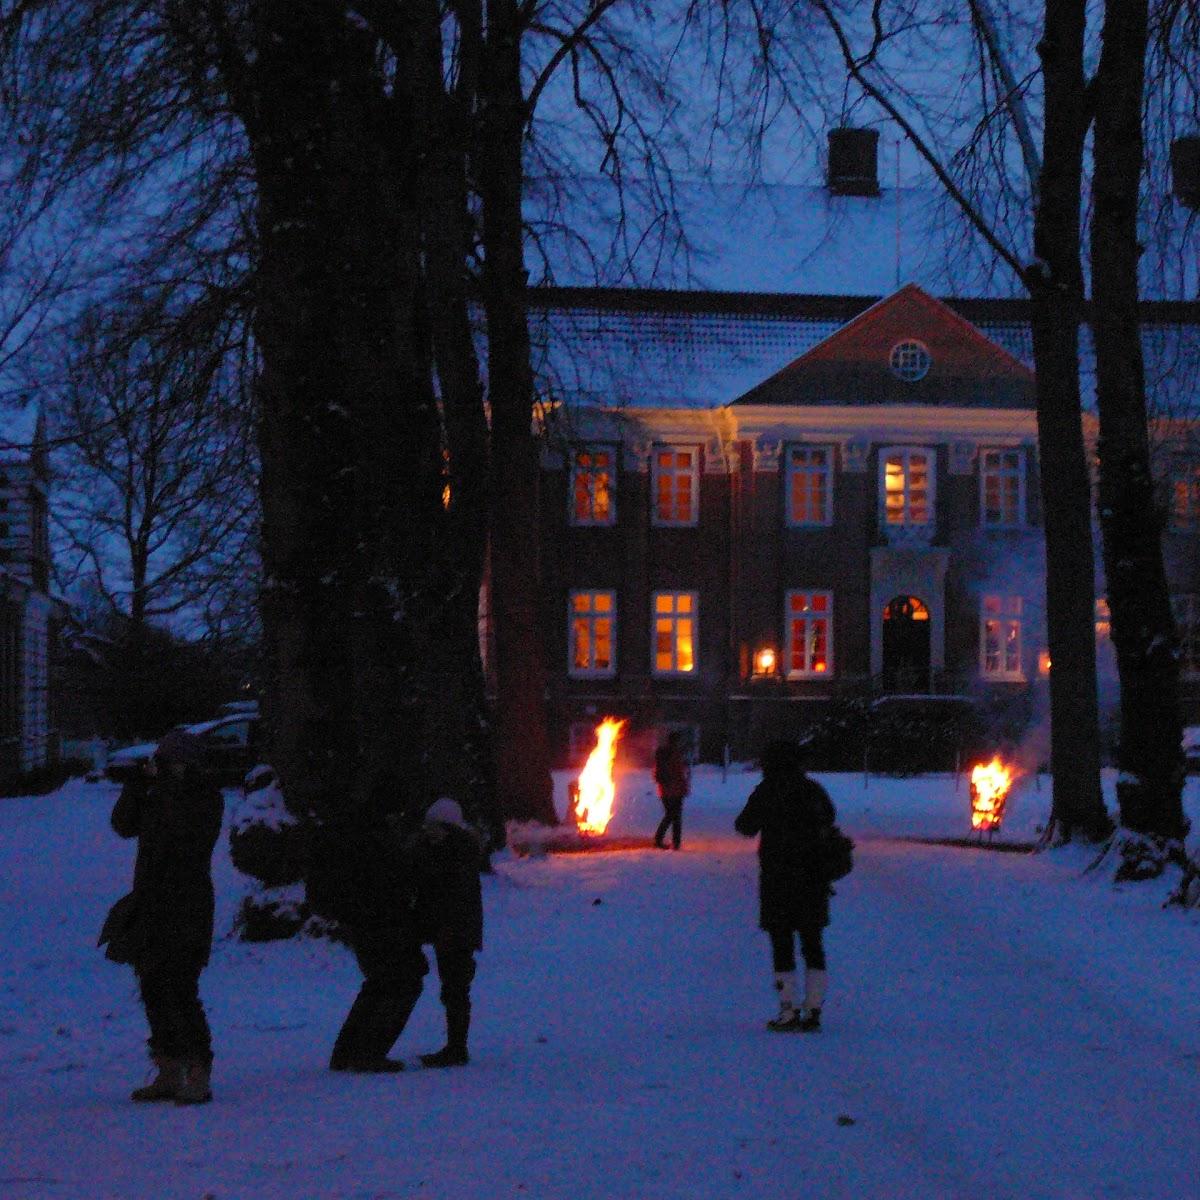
column 459, row 742
column 348, row 428
column 1143, row 627
column 522, row 745
column 1056, row 287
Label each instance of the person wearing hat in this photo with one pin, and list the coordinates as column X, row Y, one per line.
column 792, row 814
column 447, row 855
column 175, row 814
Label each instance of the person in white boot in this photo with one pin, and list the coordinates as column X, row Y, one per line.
column 792, row 814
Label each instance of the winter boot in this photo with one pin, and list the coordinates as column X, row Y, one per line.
column 195, row 1087
column 814, row 997
column 789, row 1018
column 165, row 1085
column 454, row 1052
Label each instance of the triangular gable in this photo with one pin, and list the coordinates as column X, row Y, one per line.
column 853, row 365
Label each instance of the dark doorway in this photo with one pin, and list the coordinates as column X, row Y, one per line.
column 905, row 645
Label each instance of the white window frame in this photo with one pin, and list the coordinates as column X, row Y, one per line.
column 807, row 671
column 806, row 471
column 593, row 448
column 674, row 616
column 1185, row 607
column 909, row 360
column 673, row 472
column 1008, row 614
column 906, row 454
column 1000, row 473
column 591, row 615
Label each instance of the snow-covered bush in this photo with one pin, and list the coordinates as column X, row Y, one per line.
column 269, row 844
column 266, row 841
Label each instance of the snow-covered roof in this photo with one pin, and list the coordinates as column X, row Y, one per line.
column 648, row 348
column 800, row 238
column 763, row 238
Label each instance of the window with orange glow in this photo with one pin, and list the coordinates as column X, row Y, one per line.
column 809, row 624
column 675, row 633
column 1185, row 496
column 676, row 480
column 810, row 485
column 1000, row 637
column 593, row 501
column 906, row 486
column 1002, row 488
column 592, row 632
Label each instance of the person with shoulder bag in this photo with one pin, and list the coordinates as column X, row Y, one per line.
column 795, row 821
column 164, row 927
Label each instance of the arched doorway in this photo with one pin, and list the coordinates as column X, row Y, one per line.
column 905, row 645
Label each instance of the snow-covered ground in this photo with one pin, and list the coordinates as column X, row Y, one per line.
column 998, row 1025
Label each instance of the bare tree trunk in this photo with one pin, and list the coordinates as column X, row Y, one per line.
column 522, row 744
column 1056, row 288
column 1143, row 627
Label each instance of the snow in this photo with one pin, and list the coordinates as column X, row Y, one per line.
column 998, row 1025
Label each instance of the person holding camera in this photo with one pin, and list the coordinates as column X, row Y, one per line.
column 175, row 814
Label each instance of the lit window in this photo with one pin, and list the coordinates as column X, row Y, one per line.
column 1002, row 489
column 1103, row 619
column 676, row 485
column 809, row 485
column 1185, row 496
column 592, row 486
column 1000, row 637
column 910, row 360
column 674, row 633
column 1187, row 624
column 593, row 625
column 907, row 484
column 809, row 633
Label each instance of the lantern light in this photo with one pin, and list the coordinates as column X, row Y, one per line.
column 764, row 661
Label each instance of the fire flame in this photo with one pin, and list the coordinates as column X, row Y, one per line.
column 990, row 783
column 595, row 790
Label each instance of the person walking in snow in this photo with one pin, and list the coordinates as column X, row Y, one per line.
column 175, row 814
column 674, row 780
column 447, row 855
column 793, row 816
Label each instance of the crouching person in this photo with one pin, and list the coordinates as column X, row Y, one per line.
column 175, row 814
column 359, row 876
column 447, row 856
column 793, row 815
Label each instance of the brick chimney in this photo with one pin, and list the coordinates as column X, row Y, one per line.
column 853, row 162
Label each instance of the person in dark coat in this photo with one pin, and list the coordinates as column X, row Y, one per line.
column 447, row 856
column 674, row 780
column 175, row 814
column 377, row 918
column 792, row 814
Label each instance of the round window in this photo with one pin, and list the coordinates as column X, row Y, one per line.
column 910, row 361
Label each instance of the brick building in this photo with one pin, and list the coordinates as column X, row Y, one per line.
column 864, row 521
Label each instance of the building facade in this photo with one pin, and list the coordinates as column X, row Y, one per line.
column 864, row 522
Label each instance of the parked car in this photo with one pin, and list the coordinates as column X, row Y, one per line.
column 230, row 749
